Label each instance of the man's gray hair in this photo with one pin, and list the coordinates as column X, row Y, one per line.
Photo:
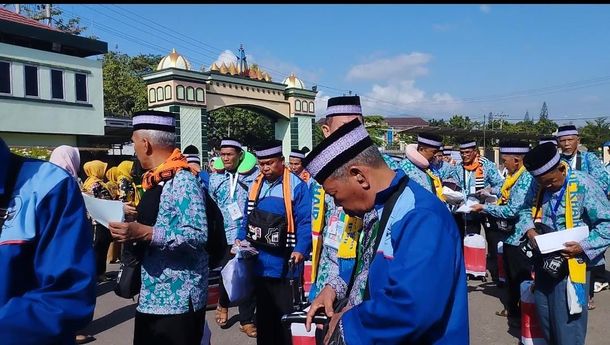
column 159, row 138
column 370, row 157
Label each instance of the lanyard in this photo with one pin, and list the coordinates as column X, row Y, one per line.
column 233, row 178
column 275, row 183
column 560, row 197
column 468, row 180
column 573, row 161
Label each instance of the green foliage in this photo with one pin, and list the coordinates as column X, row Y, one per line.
column 595, row 133
column 244, row 125
column 58, row 20
column 124, row 89
column 377, row 127
column 317, row 135
column 32, row 152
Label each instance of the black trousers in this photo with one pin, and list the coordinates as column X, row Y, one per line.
column 274, row 298
column 246, row 308
column 101, row 242
column 179, row 329
column 598, row 274
column 518, row 269
column 493, row 237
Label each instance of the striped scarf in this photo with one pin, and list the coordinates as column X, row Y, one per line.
column 477, row 167
column 291, row 239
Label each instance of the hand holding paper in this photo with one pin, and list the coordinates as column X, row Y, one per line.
column 103, row 211
column 555, row 241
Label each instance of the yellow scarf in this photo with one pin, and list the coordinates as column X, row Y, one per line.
column 112, row 183
column 577, row 271
column 349, row 238
column 95, row 171
column 508, row 185
column 438, row 185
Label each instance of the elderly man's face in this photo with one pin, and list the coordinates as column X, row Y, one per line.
column 349, row 194
column 554, row 179
column 334, row 122
column 468, row 155
column 272, row 168
column 569, row 144
column 141, row 146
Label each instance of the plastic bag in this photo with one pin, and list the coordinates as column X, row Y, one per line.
column 237, row 277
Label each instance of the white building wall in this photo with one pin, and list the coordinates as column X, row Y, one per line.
column 42, row 114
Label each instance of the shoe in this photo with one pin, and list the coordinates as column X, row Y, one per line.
column 222, row 316
column 249, row 329
column 599, row 287
column 84, row 339
column 502, row 313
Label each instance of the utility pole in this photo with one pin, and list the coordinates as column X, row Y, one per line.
column 484, row 130
column 47, row 10
column 17, row 8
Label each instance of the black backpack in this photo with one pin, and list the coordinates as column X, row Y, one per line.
column 217, row 242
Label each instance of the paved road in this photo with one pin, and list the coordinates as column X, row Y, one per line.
column 113, row 320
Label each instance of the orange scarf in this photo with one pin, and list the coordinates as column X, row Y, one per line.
column 475, row 166
column 166, row 170
column 305, row 176
column 286, row 191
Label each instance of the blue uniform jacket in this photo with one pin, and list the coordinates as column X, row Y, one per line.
column 47, row 290
column 417, row 281
column 271, row 263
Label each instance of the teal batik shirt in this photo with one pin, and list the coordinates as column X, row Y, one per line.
column 491, row 177
column 390, row 162
column 590, row 164
column 417, row 175
column 219, row 190
column 589, row 206
column 175, row 267
column 515, row 203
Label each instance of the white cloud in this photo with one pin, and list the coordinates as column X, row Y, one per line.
column 226, row 57
column 444, row 27
column 485, row 8
column 321, row 102
column 404, row 66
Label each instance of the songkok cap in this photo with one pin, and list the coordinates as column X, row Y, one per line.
column 296, row 153
column 269, row 149
column 154, row 119
column 468, row 144
column 547, row 139
column 447, row 150
column 340, row 147
column 191, row 153
column 343, row 106
column 230, row 142
column 431, row 140
column 541, row 159
column 514, row 147
column 566, row 130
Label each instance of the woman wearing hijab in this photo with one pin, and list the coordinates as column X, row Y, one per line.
column 95, row 186
column 123, row 182
column 68, row 158
column 111, row 182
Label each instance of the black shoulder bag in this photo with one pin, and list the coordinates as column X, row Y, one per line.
column 129, row 281
column 336, row 338
column 9, row 187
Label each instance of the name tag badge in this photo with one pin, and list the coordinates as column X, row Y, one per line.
column 234, row 211
column 332, row 237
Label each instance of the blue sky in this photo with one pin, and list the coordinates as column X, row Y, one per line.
column 425, row 60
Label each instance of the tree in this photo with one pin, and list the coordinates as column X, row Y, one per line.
column 377, row 128
column 124, row 89
column 244, row 125
column 595, row 133
column 527, row 116
column 544, row 126
column 317, row 135
column 38, row 12
column 462, row 122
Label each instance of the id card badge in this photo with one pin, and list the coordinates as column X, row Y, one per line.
column 332, row 235
column 234, row 211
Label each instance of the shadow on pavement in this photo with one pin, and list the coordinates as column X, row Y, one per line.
column 110, row 320
column 488, row 288
column 105, row 287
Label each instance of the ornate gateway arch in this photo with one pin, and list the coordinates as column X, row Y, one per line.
column 175, row 87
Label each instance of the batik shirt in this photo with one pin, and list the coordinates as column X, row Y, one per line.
column 590, row 164
column 219, row 190
column 442, row 170
column 510, row 210
column 589, row 206
column 390, row 162
column 175, row 267
column 491, row 177
column 417, row 175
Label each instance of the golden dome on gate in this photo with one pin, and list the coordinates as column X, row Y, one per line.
column 294, row 82
column 174, row 60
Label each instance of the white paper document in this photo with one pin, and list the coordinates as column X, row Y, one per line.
column 554, row 241
column 104, row 211
column 452, row 197
column 466, row 208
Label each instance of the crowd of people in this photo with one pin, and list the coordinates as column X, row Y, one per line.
column 384, row 234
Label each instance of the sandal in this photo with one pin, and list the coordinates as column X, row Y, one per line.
column 502, row 313
column 222, row 316
column 591, row 305
column 249, row 329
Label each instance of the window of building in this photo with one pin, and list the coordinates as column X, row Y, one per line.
column 199, row 94
column 190, row 93
column 294, row 133
column 311, row 107
column 5, row 77
column 57, row 84
column 297, row 105
column 305, row 106
column 31, row 81
column 80, row 81
column 168, row 92
column 180, row 92
column 152, row 96
column 160, row 95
